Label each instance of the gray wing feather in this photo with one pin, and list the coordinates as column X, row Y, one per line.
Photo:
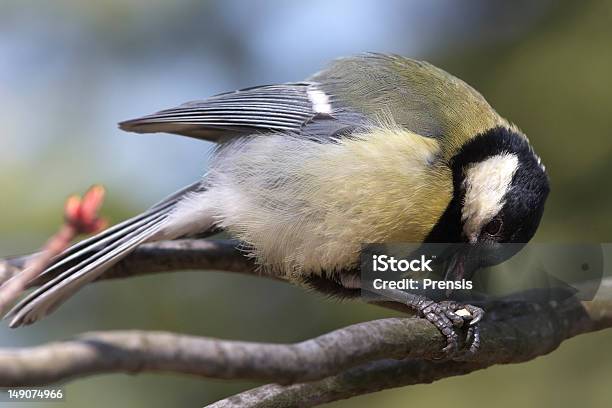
column 47, row 297
column 88, row 259
column 93, row 243
column 284, row 107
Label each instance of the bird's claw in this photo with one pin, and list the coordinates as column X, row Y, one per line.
column 448, row 315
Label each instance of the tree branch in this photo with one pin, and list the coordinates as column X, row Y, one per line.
column 165, row 256
column 507, row 340
column 514, row 332
column 135, row 351
column 355, row 360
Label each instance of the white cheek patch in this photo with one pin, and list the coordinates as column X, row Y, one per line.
column 486, row 183
column 320, row 101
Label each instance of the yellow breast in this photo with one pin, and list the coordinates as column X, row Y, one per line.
column 306, row 207
column 381, row 186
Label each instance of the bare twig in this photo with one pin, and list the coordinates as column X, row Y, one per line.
column 134, row 351
column 80, row 217
column 351, row 361
column 165, row 256
column 558, row 322
column 368, row 378
column 201, row 255
column 514, row 332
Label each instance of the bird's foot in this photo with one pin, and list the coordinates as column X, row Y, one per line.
column 448, row 315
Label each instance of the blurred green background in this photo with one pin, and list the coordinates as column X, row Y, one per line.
column 69, row 70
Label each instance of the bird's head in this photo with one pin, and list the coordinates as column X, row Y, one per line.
column 499, row 191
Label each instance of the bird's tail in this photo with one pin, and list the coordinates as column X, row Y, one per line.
column 87, row 260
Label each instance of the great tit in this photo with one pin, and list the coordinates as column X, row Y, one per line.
column 375, row 148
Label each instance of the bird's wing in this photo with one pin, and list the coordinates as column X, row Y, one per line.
column 413, row 94
column 369, row 88
column 268, row 108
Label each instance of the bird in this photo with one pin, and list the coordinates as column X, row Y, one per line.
column 374, row 148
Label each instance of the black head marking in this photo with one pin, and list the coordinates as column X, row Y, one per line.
column 524, row 201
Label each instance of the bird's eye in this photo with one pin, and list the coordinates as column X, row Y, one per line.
column 493, row 227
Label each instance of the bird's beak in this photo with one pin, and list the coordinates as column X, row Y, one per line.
column 462, row 264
